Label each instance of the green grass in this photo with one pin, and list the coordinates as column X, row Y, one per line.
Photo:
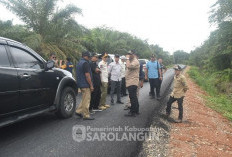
column 217, row 100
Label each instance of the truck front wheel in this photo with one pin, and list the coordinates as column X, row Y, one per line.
column 67, row 104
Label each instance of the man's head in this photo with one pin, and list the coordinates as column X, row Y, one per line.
column 52, row 56
column 116, row 58
column 94, row 57
column 104, row 56
column 68, row 59
column 153, row 57
column 131, row 54
column 177, row 69
column 86, row 55
column 160, row 60
column 123, row 58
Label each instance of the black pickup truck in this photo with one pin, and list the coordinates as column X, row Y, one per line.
column 30, row 86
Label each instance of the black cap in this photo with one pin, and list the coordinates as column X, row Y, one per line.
column 131, row 52
column 86, row 53
column 68, row 59
column 94, row 54
column 153, row 56
column 116, row 56
column 177, row 67
column 104, row 54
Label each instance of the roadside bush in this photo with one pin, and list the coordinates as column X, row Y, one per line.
column 219, row 87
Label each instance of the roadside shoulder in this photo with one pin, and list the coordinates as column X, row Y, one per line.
column 204, row 132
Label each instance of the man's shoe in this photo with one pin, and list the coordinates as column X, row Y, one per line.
column 88, row 118
column 79, row 114
column 126, row 108
column 152, row 97
column 149, row 93
column 96, row 110
column 101, row 108
column 179, row 121
column 91, row 111
column 106, row 106
column 119, row 102
column 130, row 114
column 137, row 113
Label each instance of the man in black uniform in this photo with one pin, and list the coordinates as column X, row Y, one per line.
column 96, row 94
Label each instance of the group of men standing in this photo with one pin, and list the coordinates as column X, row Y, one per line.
column 92, row 79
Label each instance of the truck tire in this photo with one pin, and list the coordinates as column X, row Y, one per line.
column 67, row 103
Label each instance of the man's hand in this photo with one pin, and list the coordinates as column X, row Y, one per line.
column 145, row 77
column 161, row 78
column 98, row 70
column 91, row 88
column 141, row 84
column 127, row 56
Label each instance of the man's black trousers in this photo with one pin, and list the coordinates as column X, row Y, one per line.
column 123, row 86
column 154, row 84
column 95, row 97
column 180, row 106
column 158, row 88
column 133, row 99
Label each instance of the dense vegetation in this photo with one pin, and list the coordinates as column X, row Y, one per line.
column 213, row 60
column 49, row 29
column 215, row 99
column 214, row 57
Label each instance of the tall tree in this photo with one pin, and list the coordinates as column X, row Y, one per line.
column 39, row 14
column 54, row 27
column 221, row 11
column 181, row 57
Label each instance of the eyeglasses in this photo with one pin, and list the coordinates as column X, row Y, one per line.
column 54, row 57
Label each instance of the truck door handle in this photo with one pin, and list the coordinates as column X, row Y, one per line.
column 25, row 75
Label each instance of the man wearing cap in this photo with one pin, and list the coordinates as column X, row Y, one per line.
column 115, row 70
column 104, row 81
column 84, row 82
column 140, row 85
column 69, row 65
column 96, row 94
column 132, row 81
column 179, row 89
column 153, row 72
column 123, row 75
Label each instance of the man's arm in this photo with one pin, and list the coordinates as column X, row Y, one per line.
column 88, row 78
column 110, row 68
column 86, row 68
column 146, row 72
column 132, row 64
column 184, row 84
column 160, row 72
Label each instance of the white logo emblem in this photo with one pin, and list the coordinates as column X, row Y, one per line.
column 79, row 133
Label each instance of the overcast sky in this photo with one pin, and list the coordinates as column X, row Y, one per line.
column 172, row 24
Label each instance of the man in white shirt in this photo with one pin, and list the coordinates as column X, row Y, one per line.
column 115, row 70
column 104, row 80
